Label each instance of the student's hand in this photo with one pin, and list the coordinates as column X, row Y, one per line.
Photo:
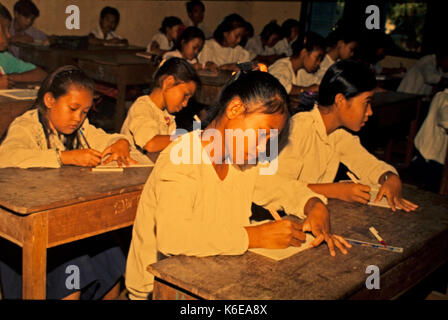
column 276, row 235
column 229, row 67
column 353, row 192
column 81, row 157
column 197, row 66
column 118, row 151
column 211, row 66
column 391, row 189
column 318, row 222
column 6, row 82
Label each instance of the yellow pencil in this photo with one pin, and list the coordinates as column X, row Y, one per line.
column 275, row 214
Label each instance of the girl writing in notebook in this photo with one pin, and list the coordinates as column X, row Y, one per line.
column 150, row 122
column 56, row 133
column 318, row 141
column 163, row 41
column 210, row 215
column 188, row 46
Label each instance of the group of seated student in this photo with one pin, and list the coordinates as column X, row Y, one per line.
column 13, row 69
column 104, row 33
column 212, row 210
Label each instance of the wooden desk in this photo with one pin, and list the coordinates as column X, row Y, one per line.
column 10, row 109
column 118, row 69
column 211, row 87
column 44, row 208
column 314, row 274
column 51, row 58
column 395, row 116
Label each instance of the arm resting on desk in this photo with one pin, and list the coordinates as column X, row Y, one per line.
column 35, row 75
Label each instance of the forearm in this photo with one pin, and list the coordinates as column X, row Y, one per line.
column 386, row 175
column 329, row 190
column 35, row 75
column 158, row 143
column 311, row 204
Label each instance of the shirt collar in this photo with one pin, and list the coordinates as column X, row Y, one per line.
column 319, row 123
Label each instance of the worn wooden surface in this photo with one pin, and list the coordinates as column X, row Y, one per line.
column 314, row 274
column 211, row 87
column 26, row 191
column 10, row 109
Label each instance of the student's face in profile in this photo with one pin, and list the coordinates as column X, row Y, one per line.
column 192, row 48
column 255, row 121
column 233, row 38
column 312, row 60
column 347, row 50
column 273, row 39
column 197, row 15
column 176, row 95
column 108, row 23
column 294, row 34
column 173, row 32
column 68, row 112
column 24, row 22
column 355, row 112
column 4, row 34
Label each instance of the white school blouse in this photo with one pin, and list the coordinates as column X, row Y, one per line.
column 25, row 145
column 284, row 47
column 432, row 138
column 162, row 40
column 306, row 79
column 220, row 55
column 283, row 71
column 422, row 76
column 255, row 47
column 145, row 121
column 177, row 54
column 186, row 209
column 99, row 34
column 313, row 156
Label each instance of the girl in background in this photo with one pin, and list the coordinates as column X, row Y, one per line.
column 163, row 41
column 188, row 46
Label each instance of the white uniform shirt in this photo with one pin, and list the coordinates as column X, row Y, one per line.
column 431, row 140
column 220, row 55
column 25, row 145
column 312, row 156
column 420, row 78
column 177, row 54
column 145, row 121
column 283, row 71
column 99, row 34
column 284, row 47
column 306, row 79
column 187, row 209
column 255, row 47
column 162, row 40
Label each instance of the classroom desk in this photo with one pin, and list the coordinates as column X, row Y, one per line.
column 211, row 87
column 121, row 70
column 314, row 274
column 51, row 58
column 43, row 208
column 10, row 109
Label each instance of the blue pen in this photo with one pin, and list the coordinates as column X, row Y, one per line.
column 374, row 245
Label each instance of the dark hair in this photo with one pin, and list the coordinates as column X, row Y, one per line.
column 112, row 11
column 26, row 8
column 345, row 35
column 187, row 35
column 4, row 13
column 58, row 83
column 193, row 3
column 348, row 77
column 230, row 22
column 252, row 87
column 288, row 25
column 310, row 41
column 270, row 29
column 169, row 22
column 180, row 69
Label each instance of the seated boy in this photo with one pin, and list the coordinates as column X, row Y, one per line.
column 21, row 28
column 104, row 33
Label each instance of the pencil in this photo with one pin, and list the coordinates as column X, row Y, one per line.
column 196, row 118
column 352, row 177
column 375, row 233
column 274, row 214
column 373, row 245
column 84, row 137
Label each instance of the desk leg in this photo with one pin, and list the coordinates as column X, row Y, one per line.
column 34, row 257
column 120, row 108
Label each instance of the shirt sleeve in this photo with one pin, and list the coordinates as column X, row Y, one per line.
column 283, row 75
column 12, row 64
column 430, row 74
column 365, row 165
column 279, row 192
column 142, row 127
column 194, row 235
column 19, row 149
column 98, row 139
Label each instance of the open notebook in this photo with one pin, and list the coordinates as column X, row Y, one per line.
column 143, row 161
column 20, row 94
column 280, row 254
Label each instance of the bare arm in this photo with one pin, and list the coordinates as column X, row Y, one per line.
column 158, row 143
column 35, row 75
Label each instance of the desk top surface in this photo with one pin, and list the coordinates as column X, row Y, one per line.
column 114, row 58
column 26, row 191
column 390, row 97
column 314, row 274
column 92, row 48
